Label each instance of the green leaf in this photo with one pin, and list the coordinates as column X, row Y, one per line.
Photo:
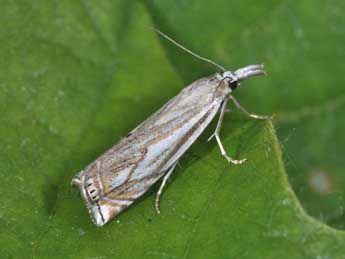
column 77, row 75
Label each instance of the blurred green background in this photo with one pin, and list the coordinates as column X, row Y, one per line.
column 75, row 76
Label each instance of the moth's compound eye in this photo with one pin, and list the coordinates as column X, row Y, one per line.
column 233, row 84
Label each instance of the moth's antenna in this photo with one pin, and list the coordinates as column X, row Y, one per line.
column 187, row 50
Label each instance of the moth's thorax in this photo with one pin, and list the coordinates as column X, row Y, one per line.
column 216, row 85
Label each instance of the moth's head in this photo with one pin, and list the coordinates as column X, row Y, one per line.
column 233, row 79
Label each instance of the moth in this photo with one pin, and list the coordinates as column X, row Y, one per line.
column 151, row 151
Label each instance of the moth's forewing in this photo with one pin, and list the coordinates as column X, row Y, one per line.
column 123, row 173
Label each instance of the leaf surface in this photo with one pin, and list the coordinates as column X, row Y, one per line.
column 76, row 76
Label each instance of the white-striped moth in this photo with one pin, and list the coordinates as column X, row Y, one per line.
column 150, row 152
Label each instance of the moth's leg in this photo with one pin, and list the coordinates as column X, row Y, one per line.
column 164, row 182
column 216, row 135
column 251, row 115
